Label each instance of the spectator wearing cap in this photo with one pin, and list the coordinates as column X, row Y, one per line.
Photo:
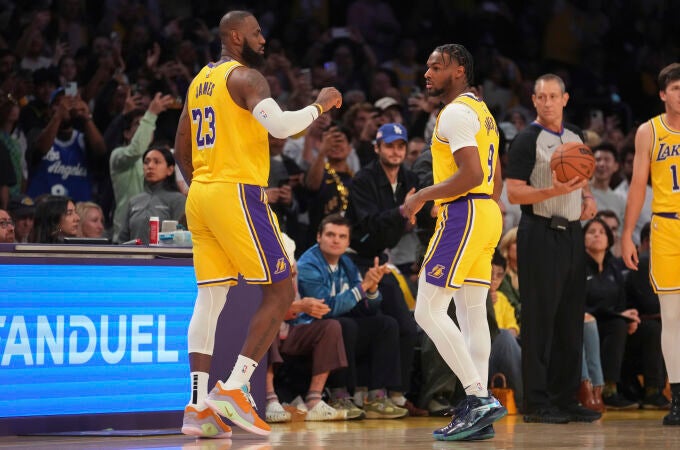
column 61, row 157
column 6, row 228
column 389, row 110
column 378, row 192
column 22, row 210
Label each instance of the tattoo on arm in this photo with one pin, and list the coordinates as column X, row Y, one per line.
column 255, row 88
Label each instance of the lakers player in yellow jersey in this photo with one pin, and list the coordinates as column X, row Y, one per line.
column 222, row 149
column 458, row 260
column 657, row 152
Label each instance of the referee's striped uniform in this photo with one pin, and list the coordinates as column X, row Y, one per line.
column 551, row 266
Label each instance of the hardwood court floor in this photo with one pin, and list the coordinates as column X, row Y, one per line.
column 618, row 430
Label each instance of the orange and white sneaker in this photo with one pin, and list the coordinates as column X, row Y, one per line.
column 204, row 423
column 238, row 406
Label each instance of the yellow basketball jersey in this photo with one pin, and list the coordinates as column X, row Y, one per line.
column 443, row 163
column 665, row 166
column 228, row 143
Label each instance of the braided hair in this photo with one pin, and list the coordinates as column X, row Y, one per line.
column 462, row 56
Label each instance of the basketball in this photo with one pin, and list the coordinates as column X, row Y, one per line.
column 572, row 159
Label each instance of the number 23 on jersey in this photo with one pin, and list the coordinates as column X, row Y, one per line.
column 204, row 118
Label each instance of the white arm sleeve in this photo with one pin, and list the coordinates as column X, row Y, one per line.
column 458, row 124
column 282, row 124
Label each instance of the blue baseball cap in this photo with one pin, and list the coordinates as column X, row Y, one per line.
column 56, row 94
column 391, row 132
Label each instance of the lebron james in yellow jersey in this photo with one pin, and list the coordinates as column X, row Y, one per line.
column 657, row 154
column 222, row 149
column 458, row 259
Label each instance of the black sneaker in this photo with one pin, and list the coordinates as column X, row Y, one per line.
column 617, row 401
column 673, row 417
column 477, row 414
column 578, row 413
column 656, row 401
column 546, row 415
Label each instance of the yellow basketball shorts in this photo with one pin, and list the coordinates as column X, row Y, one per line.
column 234, row 231
column 464, row 239
column 664, row 255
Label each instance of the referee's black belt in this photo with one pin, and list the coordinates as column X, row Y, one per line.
column 558, row 223
column 467, row 197
column 667, row 215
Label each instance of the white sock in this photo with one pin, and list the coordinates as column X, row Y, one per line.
column 477, row 390
column 241, row 373
column 431, row 314
column 199, row 388
column 670, row 334
column 471, row 313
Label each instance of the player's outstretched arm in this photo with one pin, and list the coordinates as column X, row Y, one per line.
column 251, row 90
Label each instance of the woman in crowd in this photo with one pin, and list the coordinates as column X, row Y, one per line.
column 55, row 219
column 91, row 219
column 161, row 197
column 606, row 302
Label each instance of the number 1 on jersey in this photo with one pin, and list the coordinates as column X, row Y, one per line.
column 674, row 174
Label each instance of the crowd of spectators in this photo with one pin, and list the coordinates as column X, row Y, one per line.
column 91, row 94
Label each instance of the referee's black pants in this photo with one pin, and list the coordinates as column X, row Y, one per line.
column 551, row 269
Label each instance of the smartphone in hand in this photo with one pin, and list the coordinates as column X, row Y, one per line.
column 71, row 89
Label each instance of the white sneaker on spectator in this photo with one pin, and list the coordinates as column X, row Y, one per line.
column 323, row 411
column 274, row 413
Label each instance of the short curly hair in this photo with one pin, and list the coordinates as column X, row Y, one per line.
column 462, row 56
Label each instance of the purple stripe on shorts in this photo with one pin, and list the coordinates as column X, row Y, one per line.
column 453, row 235
column 266, row 234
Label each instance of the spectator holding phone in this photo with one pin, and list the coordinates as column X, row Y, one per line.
column 61, row 157
column 329, row 178
column 127, row 170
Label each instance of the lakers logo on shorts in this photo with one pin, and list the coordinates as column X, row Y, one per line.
column 280, row 266
column 437, row 271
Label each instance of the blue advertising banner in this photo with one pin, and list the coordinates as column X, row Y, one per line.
column 83, row 339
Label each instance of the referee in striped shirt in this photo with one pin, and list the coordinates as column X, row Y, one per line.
column 551, row 260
